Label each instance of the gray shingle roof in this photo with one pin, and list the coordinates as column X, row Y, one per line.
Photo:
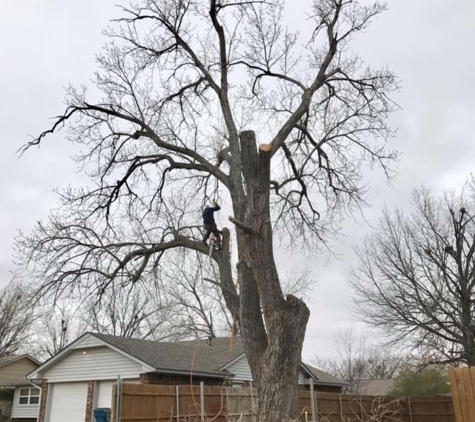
column 325, row 378
column 194, row 355
column 374, row 387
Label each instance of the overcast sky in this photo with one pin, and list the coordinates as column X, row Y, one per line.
column 47, row 44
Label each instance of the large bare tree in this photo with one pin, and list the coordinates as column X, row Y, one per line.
column 416, row 278
column 180, row 88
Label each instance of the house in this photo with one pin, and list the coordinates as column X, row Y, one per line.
column 13, row 369
column 81, row 376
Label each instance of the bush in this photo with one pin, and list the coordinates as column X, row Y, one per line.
column 425, row 382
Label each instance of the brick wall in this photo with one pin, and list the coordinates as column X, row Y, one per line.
column 90, row 400
column 170, row 379
column 44, row 398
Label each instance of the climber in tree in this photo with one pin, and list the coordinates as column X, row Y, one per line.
column 210, row 225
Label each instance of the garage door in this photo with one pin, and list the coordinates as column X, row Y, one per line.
column 104, row 394
column 68, row 402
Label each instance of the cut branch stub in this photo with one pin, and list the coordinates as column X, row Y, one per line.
column 241, row 225
column 265, row 147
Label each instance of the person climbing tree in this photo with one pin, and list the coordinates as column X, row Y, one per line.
column 210, row 225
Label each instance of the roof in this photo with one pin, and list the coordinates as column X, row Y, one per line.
column 8, row 359
column 194, row 355
column 374, row 387
column 325, row 378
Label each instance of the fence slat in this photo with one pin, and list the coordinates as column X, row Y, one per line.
column 462, row 385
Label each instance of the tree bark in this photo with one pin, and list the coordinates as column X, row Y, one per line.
column 273, row 326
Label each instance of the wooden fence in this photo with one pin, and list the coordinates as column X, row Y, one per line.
column 462, row 384
column 146, row 403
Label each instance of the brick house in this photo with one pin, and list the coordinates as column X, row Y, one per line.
column 80, row 378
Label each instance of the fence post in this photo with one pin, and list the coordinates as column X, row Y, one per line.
column 316, row 407
column 410, row 409
column 341, row 411
column 312, row 399
column 202, row 401
column 253, row 411
column 177, row 404
column 118, row 402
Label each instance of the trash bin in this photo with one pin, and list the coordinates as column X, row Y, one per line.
column 102, row 414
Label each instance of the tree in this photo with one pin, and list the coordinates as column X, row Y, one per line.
column 138, row 311
column 425, row 382
column 193, row 286
column 416, row 278
column 53, row 328
column 179, row 83
column 357, row 361
column 16, row 318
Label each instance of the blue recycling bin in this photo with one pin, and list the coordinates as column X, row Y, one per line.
column 102, row 414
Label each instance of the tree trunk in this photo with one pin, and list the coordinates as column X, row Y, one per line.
column 272, row 327
column 279, row 368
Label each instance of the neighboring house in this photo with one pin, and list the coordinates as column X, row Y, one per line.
column 373, row 387
column 80, row 377
column 13, row 369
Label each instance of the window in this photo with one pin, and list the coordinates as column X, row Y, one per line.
column 29, row 396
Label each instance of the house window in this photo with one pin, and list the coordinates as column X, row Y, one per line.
column 29, row 396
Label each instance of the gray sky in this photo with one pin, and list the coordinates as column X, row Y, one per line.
column 47, row 44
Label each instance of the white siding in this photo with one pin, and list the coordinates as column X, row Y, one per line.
column 23, row 411
column 242, row 371
column 303, row 378
column 97, row 363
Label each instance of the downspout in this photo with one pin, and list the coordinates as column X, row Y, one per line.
column 35, row 385
column 41, row 395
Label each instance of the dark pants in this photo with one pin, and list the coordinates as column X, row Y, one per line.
column 212, row 229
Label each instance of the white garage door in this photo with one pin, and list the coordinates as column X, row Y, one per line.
column 104, row 394
column 68, row 402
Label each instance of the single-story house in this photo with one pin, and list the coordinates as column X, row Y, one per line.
column 13, row 369
column 80, row 378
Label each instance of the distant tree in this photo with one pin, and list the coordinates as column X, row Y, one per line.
column 425, row 382
column 357, row 361
column 16, row 317
column 416, row 278
column 192, row 285
column 54, row 327
column 138, row 310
